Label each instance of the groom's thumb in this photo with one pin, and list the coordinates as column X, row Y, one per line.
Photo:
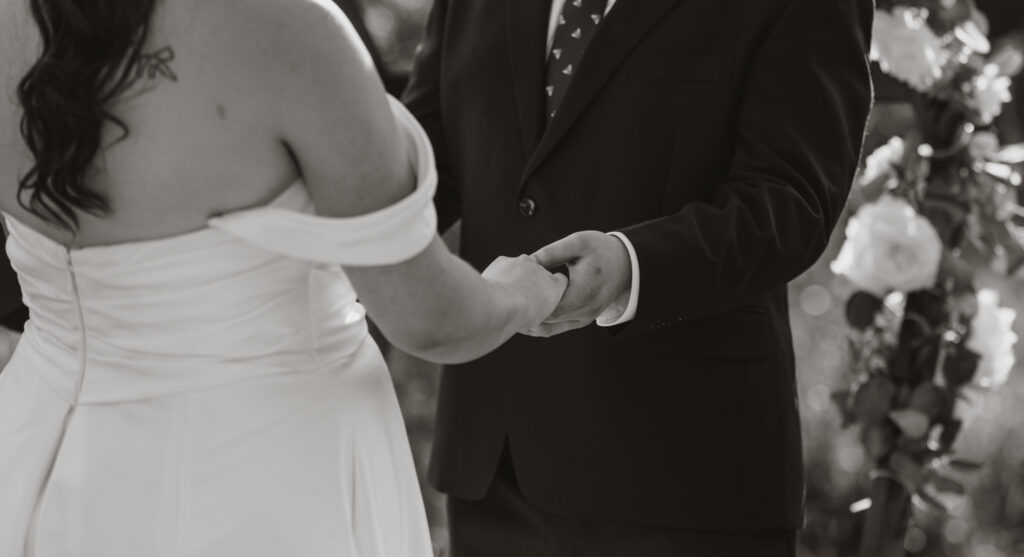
column 563, row 251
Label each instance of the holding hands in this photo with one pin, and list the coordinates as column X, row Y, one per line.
column 599, row 272
column 536, row 290
column 600, row 275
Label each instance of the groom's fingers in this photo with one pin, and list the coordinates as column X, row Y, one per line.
column 582, row 299
column 573, row 306
column 563, row 251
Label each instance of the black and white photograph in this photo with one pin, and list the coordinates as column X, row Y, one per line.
column 511, row 278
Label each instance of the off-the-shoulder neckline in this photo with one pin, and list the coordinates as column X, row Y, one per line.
column 153, row 242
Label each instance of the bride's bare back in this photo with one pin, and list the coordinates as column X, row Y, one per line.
column 210, row 114
column 237, row 99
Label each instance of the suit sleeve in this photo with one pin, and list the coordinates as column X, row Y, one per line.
column 423, row 98
column 800, row 127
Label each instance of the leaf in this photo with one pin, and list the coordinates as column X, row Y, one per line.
column 1005, row 238
column 947, row 217
column 958, row 271
column 974, row 231
column 861, row 310
column 1008, row 56
column 926, row 357
column 874, row 400
column 947, row 485
column 963, row 465
column 913, row 423
column 879, row 440
column 930, row 400
column 941, row 121
column 929, row 500
column 842, row 400
column 929, row 305
column 943, row 16
column 966, row 305
column 960, row 365
column 950, row 430
column 907, row 469
column 917, row 348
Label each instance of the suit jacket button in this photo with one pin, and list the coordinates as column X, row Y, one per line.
column 527, row 207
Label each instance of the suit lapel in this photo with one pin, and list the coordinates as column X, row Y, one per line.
column 626, row 25
column 527, row 38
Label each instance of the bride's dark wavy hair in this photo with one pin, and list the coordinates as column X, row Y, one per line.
column 90, row 51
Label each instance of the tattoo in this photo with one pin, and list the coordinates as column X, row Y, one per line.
column 152, row 66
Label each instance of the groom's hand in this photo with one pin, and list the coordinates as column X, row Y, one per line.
column 599, row 274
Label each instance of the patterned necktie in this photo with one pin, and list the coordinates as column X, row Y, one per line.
column 577, row 25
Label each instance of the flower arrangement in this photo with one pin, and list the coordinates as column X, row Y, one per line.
column 940, row 204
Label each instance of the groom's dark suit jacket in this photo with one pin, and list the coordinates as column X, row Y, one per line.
column 12, row 313
column 722, row 137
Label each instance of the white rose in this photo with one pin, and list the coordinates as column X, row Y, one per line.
column 889, row 246
column 883, row 160
column 988, row 92
column 992, row 338
column 906, row 48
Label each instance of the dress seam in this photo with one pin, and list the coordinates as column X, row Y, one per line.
column 73, row 404
column 314, row 334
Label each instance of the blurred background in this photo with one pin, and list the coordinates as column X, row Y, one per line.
column 988, row 523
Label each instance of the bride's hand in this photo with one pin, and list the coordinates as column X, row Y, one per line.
column 539, row 290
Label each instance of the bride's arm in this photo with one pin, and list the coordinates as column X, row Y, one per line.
column 439, row 308
column 336, row 120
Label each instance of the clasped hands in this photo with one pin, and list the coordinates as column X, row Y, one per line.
column 599, row 274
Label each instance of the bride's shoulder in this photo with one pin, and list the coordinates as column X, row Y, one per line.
column 265, row 39
column 265, row 14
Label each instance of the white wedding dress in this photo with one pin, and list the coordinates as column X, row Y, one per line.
column 212, row 394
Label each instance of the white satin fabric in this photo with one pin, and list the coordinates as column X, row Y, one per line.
column 213, row 394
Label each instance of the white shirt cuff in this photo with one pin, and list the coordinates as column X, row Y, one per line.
column 623, row 310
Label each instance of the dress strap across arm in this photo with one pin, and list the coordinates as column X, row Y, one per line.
column 388, row 236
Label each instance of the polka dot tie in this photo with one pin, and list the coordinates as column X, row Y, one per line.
column 577, row 25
